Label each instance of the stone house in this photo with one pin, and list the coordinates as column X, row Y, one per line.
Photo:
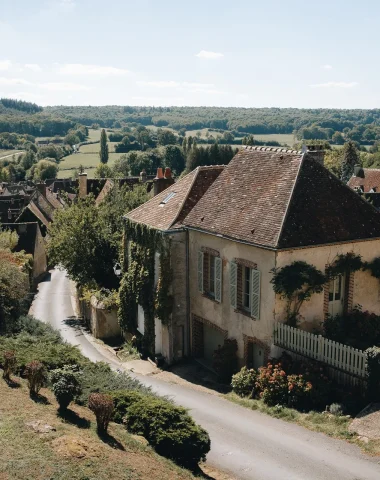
column 266, row 209
column 165, row 213
column 31, row 241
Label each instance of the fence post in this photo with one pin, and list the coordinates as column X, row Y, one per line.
column 320, row 348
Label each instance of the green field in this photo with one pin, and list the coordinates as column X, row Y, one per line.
column 95, row 147
column 7, row 153
column 283, row 139
column 88, row 160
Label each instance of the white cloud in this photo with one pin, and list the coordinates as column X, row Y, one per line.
column 63, row 87
column 335, row 85
column 174, row 84
column 5, row 65
column 327, row 67
column 33, row 67
column 209, row 55
column 96, row 70
column 66, row 5
column 13, row 81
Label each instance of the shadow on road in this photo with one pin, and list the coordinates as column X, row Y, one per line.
column 195, row 373
column 76, row 323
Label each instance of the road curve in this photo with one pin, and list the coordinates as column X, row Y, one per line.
column 247, row 444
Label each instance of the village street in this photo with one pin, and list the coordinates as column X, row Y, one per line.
column 247, row 444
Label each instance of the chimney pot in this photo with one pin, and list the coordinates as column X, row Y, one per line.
column 168, row 173
column 159, row 173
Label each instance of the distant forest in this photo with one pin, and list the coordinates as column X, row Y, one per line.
column 332, row 125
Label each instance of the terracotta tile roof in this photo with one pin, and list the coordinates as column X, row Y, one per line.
column 187, row 192
column 370, row 178
column 280, row 199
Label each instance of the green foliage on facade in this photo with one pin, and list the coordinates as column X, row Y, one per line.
column 138, row 283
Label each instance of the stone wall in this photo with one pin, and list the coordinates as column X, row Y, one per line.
column 102, row 322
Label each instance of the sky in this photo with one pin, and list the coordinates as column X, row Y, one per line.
column 240, row 53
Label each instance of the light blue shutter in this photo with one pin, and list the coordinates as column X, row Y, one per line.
column 233, row 284
column 255, row 294
column 200, row 271
column 218, row 279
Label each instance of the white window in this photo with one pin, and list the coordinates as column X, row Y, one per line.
column 336, row 295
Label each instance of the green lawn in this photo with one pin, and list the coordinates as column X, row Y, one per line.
column 95, row 147
column 88, row 160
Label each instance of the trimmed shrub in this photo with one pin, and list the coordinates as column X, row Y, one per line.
column 169, row 430
column 9, row 365
column 102, row 406
column 336, row 409
column 32, row 326
column 122, row 400
column 35, row 372
column 65, row 385
column 98, row 377
column 243, row 382
column 225, row 360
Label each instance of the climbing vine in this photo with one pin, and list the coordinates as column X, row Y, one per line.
column 137, row 285
column 296, row 283
column 344, row 264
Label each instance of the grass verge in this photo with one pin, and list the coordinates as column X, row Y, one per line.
column 73, row 449
column 331, row 425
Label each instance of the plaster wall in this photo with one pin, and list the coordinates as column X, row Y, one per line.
column 39, row 257
column 366, row 291
column 223, row 314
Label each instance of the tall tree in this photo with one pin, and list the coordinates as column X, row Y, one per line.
column 103, row 152
column 350, row 158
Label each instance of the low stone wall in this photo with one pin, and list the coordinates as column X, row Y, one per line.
column 102, row 322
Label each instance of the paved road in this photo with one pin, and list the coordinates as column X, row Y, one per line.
column 247, row 444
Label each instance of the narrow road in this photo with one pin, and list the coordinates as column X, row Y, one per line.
column 247, row 444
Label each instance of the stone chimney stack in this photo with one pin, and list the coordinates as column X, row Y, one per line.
column 161, row 182
column 82, row 185
column 316, row 152
column 41, row 186
column 143, row 176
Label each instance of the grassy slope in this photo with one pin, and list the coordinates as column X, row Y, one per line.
column 74, row 451
column 333, row 426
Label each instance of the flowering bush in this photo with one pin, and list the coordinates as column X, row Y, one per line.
column 299, row 391
column 35, row 372
column 272, row 385
column 243, row 382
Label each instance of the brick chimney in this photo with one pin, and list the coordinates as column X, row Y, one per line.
column 82, row 185
column 41, row 186
column 316, row 152
column 161, row 182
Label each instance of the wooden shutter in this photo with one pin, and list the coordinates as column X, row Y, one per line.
column 218, row 279
column 200, row 271
column 255, row 294
column 233, row 284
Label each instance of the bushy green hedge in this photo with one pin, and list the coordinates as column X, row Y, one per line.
column 100, row 378
column 169, row 429
column 122, row 400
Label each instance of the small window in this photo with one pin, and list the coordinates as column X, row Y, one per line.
column 211, row 279
column 167, row 198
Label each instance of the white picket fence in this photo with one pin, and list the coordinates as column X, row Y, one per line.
column 338, row 355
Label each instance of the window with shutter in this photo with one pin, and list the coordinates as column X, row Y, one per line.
column 255, row 294
column 218, row 279
column 233, row 284
column 200, row 271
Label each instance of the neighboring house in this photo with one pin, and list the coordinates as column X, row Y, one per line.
column 366, row 182
column 30, row 240
column 268, row 208
column 165, row 212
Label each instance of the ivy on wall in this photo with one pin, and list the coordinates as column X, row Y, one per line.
column 137, row 285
